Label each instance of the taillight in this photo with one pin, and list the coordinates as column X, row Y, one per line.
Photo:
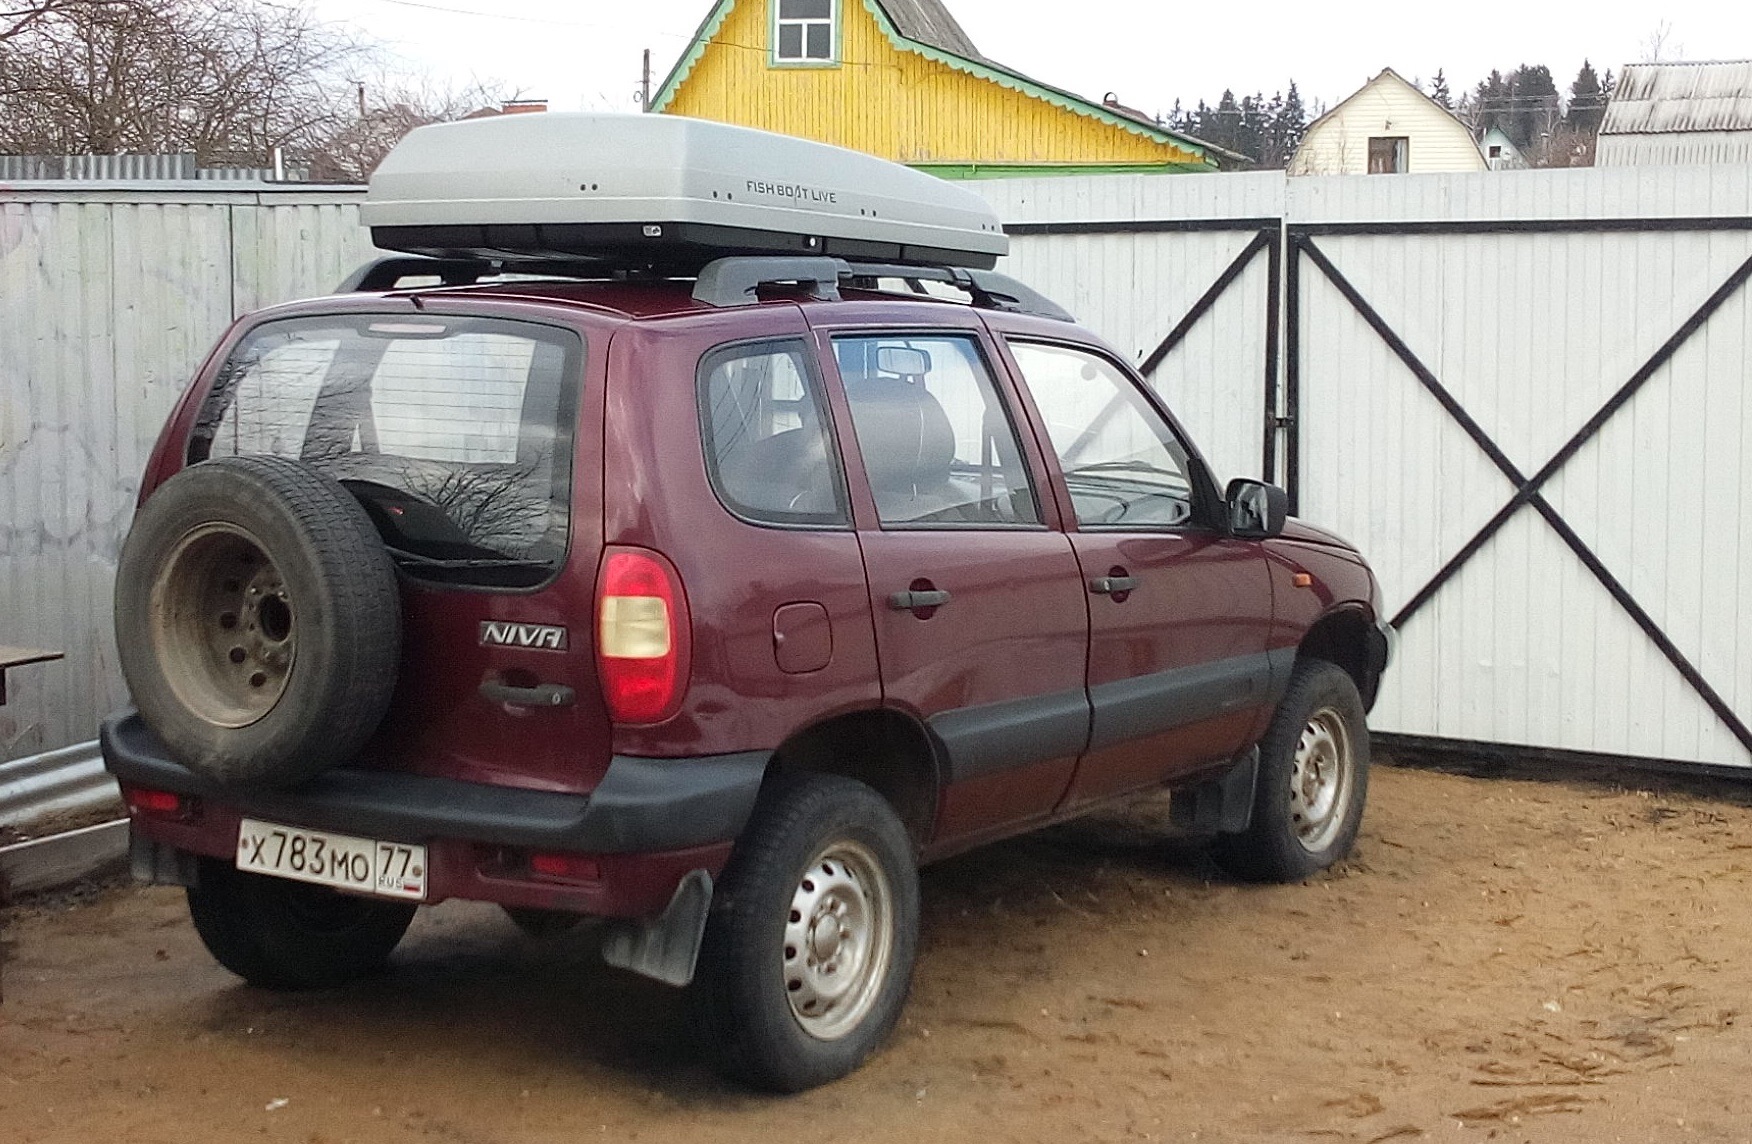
column 642, row 636
column 154, row 801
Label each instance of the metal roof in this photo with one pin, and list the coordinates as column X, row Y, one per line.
column 1657, row 99
column 928, row 22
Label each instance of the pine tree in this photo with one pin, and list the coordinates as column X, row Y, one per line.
column 1439, row 90
column 1490, row 102
column 1587, row 106
column 1537, row 105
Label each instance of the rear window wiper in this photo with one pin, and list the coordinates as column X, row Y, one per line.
column 404, row 556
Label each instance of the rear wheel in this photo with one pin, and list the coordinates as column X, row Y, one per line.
column 1313, row 781
column 280, row 934
column 809, row 947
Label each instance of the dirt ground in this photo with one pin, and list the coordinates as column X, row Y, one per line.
column 1504, row 959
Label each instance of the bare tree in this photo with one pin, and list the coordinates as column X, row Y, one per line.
column 17, row 16
column 228, row 80
column 388, row 108
column 1657, row 46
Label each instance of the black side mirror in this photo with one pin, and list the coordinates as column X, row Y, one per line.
column 1257, row 511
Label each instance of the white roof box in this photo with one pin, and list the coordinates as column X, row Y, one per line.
column 662, row 191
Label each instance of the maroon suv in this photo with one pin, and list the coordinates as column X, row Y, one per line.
column 711, row 606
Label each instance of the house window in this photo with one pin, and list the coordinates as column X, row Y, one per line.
column 1387, row 154
column 803, row 32
column 1496, row 151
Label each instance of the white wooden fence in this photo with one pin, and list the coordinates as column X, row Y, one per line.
column 1411, row 355
column 1521, row 393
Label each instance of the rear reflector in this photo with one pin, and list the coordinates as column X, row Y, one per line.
column 154, row 801
column 570, row 867
column 642, row 636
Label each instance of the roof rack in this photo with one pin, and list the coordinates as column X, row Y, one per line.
column 724, row 282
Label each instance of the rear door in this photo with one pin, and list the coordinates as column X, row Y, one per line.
column 457, row 433
column 1179, row 612
column 981, row 625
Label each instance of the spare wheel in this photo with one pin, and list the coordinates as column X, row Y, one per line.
column 258, row 620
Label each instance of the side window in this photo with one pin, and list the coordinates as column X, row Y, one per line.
column 937, row 444
column 768, row 448
column 1121, row 461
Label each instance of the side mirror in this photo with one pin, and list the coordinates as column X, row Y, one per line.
column 1257, row 511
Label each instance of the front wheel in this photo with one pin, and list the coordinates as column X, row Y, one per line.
column 279, row 934
column 808, row 951
column 1313, row 781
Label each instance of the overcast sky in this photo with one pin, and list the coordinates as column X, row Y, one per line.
column 584, row 55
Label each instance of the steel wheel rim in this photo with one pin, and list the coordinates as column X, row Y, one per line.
column 1322, row 772
column 839, row 936
column 224, row 626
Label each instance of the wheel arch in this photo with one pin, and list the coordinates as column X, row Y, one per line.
column 887, row 750
column 1348, row 638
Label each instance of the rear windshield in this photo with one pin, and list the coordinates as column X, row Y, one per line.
column 454, row 433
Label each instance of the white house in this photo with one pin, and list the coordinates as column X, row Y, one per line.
column 1678, row 113
column 1500, row 152
column 1388, row 127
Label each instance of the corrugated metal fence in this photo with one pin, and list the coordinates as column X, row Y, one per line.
column 112, row 295
column 1522, row 393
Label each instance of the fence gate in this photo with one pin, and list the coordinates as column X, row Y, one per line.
column 1521, row 394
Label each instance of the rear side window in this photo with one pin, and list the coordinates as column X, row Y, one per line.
column 454, row 433
column 769, row 450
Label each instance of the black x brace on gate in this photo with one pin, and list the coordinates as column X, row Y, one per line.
column 1290, row 242
column 1527, row 489
column 1268, row 236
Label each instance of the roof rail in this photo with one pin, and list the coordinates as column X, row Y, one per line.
column 734, row 282
column 988, row 289
column 386, row 273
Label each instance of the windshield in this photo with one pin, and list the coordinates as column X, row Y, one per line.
column 454, row 433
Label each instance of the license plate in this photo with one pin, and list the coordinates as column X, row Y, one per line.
column 364, row 865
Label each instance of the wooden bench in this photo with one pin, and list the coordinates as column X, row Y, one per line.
column 11, row 657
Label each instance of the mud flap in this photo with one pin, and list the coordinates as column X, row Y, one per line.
column 1223, row 805
column 666, row 948
column 156, row 864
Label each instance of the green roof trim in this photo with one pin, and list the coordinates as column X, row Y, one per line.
column 984, row 69
column 1015, row 81
column 964, row 171
column 695, row 49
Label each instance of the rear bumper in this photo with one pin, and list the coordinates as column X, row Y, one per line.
column 649, row 821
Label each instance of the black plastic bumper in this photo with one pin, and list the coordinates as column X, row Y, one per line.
column 640, row 804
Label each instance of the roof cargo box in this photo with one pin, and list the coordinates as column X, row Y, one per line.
column 663, row 191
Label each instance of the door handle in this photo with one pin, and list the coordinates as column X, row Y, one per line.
column 541, row 695
column 911, row 600
column 1110, row 585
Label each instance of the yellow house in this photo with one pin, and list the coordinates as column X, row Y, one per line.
column 900, row 79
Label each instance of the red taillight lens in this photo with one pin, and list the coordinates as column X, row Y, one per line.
column 154, row 801
column 642, row 636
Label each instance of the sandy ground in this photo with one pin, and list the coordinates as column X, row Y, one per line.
column 1504, row 959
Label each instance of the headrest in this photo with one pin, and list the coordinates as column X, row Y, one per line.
column 906, row 438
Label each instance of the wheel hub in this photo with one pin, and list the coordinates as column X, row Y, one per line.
column 1321, row 774
column 225, row 626
column 837, row 940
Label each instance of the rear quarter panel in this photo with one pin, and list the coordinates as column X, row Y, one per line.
column 735, row 574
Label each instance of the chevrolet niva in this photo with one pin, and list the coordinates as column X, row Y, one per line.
column 690, row 530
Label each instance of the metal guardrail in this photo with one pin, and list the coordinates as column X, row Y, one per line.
column 68, row 781
column 60, row 859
